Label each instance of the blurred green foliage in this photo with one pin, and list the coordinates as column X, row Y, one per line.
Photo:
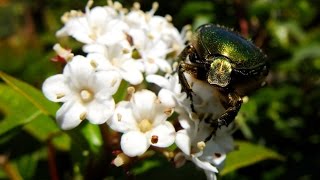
column 284, row 116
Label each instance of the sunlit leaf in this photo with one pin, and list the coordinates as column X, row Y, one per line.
column 16, row 110
column 31, row 93
column 248, row 154
column 19, row 112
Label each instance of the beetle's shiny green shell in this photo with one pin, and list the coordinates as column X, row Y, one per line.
column 212, row 40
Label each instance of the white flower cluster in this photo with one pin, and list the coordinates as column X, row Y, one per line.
column 131, row 46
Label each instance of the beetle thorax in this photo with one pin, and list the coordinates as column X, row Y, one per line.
column 219, row 72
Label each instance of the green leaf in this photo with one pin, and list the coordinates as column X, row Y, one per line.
column 92, row 134
column 32, row 94
column 16, row 110
column 19, row 113
column 27, row 164
column 248, row 154
column 147, row 165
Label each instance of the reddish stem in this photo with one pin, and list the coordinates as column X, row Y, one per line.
column 52, row 161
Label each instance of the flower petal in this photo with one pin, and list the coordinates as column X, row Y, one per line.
column 98, row 58
column 210, row 175
column 56, row 88
column 164, row 134
column 134, row 143
column 68, row 116
column 143, row 104
column 164, row 65
column 204, row 164
column 149, row 66
column 97, row 16
column 131, row 71
column 167, row 98
column 104, row 83
column 186, row 122
column 99, row 111
column 78, row 71
column 133, row 76
column 123, row 119
column 223, row 144
column 158, row 80
column 183, row 141
column 94, row 48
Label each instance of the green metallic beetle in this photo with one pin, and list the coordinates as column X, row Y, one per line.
column 228, row 62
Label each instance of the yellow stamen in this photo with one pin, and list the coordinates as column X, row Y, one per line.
column 60, row 95
column 201, row 145
column 168, row 111
column 119, row 116
column 83, row 116
column 136, row 5
column 121, row 159
column 145, row 125
column 93, row 63
column 86, row 95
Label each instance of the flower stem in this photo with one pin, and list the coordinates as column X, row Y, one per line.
column 10, row 169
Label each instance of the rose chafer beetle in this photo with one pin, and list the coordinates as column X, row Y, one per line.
column 226, row 61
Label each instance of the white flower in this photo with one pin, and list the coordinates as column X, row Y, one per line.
column 153, row 56
column 101, row 25
column 161, row 28
column 85, row 92
column 117, row 58
column 191, row 139
column 154, row 37
column 170, row 93
column 143, row 122
column 206, row 155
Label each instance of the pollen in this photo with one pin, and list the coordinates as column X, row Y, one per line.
column 86, row 95
column 93, row 63
column 168, row 111
column 201, row 145
column 60, row 95
column 114, row 82
column 121, row 159
column 136, row 6
column 83, row 116
column 119, row 116
column 145, row 125
column 130, row 90
column 151, row 60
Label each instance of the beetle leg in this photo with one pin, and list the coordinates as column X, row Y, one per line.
column 189, row 68
column 186, row 52
column 182, row 78
column 228, row 116
column 213, row 123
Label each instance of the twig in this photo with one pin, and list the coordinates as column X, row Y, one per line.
column 10, row 169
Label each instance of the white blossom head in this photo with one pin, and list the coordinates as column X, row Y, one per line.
column 207, row 155
column 84, row 92
column 143, row 122
column 99, row 25
column 171, row 92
